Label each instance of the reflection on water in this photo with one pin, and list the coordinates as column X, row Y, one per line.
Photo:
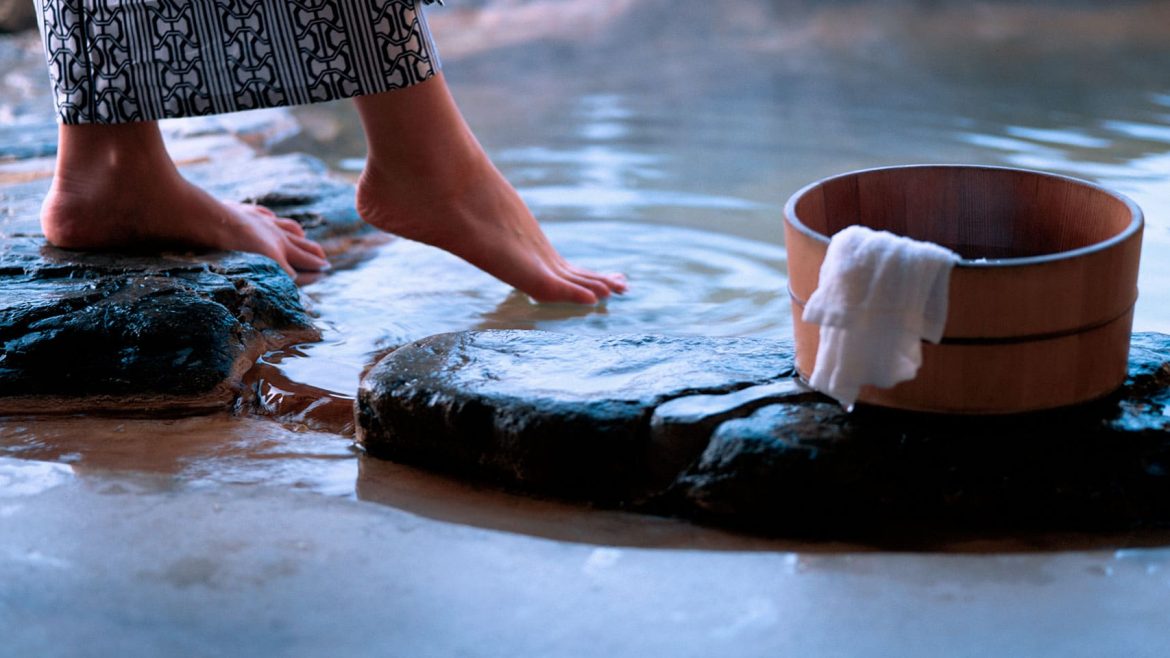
column 22, row 477
column 120, row 457
column 661, row 139
column 213, row 450
column 143, row 456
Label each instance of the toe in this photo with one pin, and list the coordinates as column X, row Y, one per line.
column 611, row 282
column 555, row 288
column 306, row 261
column 305, row 244
column 249, row 207
column 617, row 282
column 597, row 287
column 578, row 294
column 614, row 282
column 284, row 264
column 290, row 226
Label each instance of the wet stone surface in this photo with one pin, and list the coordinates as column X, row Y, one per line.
column 116, row 332
column 716, row 429
column 551, row 412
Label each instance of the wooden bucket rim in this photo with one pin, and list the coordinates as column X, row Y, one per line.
column 1135, row 225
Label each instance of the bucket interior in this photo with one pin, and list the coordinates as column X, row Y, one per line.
column 978, row 212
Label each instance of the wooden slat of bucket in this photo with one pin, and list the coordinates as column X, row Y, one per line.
column 806, row 254
column 841, row 202
column 807, row 337
column 1045, row 297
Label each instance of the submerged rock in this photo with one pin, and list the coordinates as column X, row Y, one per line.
column 716, row 429
column 552, row 412
column 114, row 332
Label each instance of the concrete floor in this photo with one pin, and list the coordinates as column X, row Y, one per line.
column 137, row 565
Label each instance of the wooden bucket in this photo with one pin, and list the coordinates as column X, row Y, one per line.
column 1041, row 306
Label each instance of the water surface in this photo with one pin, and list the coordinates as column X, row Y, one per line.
column 661, row 139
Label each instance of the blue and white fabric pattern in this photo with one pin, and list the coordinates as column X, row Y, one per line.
column 118, row 61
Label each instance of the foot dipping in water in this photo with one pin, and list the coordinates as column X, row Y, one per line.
column 427, row 178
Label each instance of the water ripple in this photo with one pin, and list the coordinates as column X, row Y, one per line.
column 682, row 281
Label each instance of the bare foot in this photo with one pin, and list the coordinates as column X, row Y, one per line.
column 481, row 219
column 115, row 188
column 435, row 184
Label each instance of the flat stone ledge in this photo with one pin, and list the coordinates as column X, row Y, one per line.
column 550, row 412
column 86, row 331
column 717, row 429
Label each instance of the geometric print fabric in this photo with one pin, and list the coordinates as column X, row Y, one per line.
column 117, row 61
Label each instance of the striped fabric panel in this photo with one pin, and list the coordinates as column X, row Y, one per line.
column 117, row 61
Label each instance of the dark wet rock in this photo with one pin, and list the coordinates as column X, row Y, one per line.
column 554, row 413
column 716, row 429
column 681, row 428
column 95, row 331
column 809, row 466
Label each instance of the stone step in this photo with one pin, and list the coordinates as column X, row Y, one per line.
column 109, row 332
column 552, row 413
column 717, row 429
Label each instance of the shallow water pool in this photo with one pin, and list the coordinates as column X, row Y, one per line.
column 661, row 139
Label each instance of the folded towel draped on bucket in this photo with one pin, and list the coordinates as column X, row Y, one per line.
column 878, row 297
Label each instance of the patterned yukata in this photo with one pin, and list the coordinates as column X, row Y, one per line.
column 118, row 61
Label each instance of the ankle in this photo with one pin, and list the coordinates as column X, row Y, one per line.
column 417, row 137
column 119, row 150
column 110, row 169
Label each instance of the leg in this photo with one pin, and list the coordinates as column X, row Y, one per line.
column 428, row 179
column 115, row 187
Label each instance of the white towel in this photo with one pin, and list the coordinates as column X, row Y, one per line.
column 879, row 296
